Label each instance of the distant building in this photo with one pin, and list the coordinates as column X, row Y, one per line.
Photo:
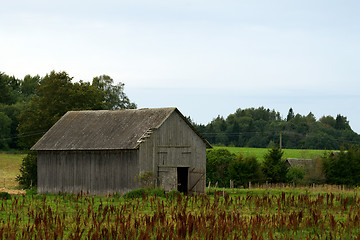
column 298, row 162
column 102, row 152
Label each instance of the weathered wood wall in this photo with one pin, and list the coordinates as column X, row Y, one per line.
column 174, row 145
column 93, row 172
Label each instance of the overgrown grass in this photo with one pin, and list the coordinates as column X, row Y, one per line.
column 245, row 214
column 288, row 153
column 9, row 169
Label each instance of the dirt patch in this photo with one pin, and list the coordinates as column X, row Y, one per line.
column 13, row 192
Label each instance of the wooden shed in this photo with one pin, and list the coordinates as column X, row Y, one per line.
column 103, row 152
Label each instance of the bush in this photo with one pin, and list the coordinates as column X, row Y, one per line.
column 137, row 193
column 217, row 166
column 159, row 192
column 244, row 170
column 295, row 175
column 28, row 171
column 31, row 191
column 5, row 195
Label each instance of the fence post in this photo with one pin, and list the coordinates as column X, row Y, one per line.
column 232, row 185
column 4, row 183
column 249, row 185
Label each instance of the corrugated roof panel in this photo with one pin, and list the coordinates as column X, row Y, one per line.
column 99, row 130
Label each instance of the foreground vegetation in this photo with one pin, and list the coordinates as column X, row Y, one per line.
column 246, row 214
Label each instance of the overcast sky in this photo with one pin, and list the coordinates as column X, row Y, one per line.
column 205, row 57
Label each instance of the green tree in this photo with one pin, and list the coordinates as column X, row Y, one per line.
column 328, row 121
column 28, row 170
column 12, row 112
column 257, row 127
column 311, row 118
column 54, row 97
column 56, row 94
column 244, row 170
column 217, row 166
column 344, row 167
column 9, row 89
column 28, row 85
column 5, row 129
column 295, row 174
column 114, row 95
column 341, row 123
column 274, row 167
column 290, row 115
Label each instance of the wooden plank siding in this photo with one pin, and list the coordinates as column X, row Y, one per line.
column 102, row 152
column 93, row 172
column 174, row 145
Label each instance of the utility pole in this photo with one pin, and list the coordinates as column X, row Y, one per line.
column 280, row 141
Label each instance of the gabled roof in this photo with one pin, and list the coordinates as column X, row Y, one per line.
column 298, row 162
column 105, row 129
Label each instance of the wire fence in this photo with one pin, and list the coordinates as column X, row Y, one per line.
column 8, row 183
column 286, row 186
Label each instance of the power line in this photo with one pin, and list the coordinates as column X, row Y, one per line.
column 29, row 134
column 283, row 133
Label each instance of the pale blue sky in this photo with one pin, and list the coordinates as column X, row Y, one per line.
column 207, row 58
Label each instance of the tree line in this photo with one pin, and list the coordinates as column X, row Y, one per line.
column 342, row 167
column 263, row 128
column 30, row 106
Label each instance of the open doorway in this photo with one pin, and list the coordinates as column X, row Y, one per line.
column 182, row 177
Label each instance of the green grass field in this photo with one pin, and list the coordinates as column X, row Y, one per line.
column 288, row 153
column 9, row 169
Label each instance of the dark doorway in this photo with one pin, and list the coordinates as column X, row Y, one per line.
column 182, row 176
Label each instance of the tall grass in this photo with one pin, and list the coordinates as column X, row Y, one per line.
column 252, row 215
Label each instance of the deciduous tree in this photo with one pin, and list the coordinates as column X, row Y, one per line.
column 56, row 94
column 244, row 170
column 217, row 166
column 114, row 95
